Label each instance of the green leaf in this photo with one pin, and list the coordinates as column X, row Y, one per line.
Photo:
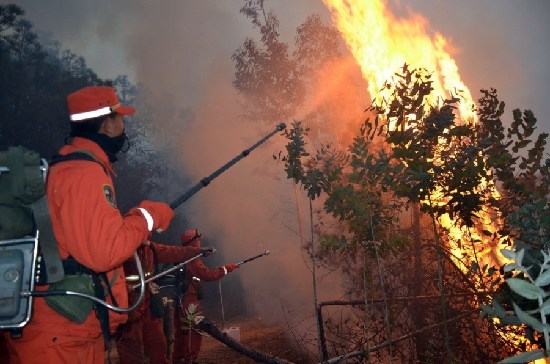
column 525, row 357
column 545, row 308
column 525, row 289
column 510, row 321
column 485, row 310
column 519, row 256
column 510, row 254
column 528, row 319
column 499, row 310
column 510, row 267
column 543, row 279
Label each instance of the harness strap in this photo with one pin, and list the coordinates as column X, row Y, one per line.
column 53, row 269
column 155, row 260
column 78, row 155
column 102, row 312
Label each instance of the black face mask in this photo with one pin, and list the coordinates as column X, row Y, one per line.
column 114, row 145
column 120, row 143
column 111, row 146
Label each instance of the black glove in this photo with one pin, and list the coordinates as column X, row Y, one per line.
column 206, row 251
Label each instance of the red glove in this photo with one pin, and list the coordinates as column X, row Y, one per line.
column 231, row 267
column 157, row 214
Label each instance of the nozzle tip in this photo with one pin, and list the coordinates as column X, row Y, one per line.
column 281, row 126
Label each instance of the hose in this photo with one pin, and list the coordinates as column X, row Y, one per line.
column 95, row 299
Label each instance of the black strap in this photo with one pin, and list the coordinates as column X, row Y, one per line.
column 70, row 267
column 102, row 312
column 75, row 156
column 155, row 260
column 180, row 288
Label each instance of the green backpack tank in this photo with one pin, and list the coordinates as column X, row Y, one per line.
column 22, row 182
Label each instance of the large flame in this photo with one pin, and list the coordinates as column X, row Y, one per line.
column 381, row 43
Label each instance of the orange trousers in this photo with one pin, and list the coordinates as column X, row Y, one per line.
column 36, row 347
column 143, row 338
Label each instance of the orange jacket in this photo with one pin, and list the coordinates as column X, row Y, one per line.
column 196, row 268
column 89, row 227
column 164, row 254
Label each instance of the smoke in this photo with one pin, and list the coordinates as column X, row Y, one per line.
column 250, row 208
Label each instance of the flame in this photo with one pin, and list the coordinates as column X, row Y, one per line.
column 381, row 43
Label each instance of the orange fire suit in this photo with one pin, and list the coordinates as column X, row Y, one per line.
column 88, row 227
column 187, row 343
column 143, row 334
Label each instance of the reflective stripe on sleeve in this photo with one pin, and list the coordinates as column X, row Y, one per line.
column 148, row 217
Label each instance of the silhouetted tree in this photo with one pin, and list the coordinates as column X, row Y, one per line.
column 34, row 82
column 265, row 72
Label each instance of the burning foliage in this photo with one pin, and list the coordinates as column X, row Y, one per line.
column 418, row 159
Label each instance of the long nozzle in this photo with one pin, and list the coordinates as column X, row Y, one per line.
column 206, row 180
column 163, row 273
column 255, row 257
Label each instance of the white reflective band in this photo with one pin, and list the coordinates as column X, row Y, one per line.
column 91, row 114
column 135, row 277
column 225, row 270
column 148, row 217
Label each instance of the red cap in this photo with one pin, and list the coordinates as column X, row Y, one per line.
column 95, row 101
column 190, row 236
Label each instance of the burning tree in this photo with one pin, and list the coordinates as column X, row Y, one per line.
column 419, row 158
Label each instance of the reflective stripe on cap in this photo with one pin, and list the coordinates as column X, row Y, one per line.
column 94, row 114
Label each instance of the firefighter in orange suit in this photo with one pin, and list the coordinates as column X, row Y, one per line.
column 187, row 340
column 143, row 336
column 90, row 232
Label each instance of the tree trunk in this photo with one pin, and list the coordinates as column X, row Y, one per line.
column 418, row 286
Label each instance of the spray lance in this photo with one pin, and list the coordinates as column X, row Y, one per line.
column 206, row 180
column 253, row 258
column 170, row 270
column 239, row 264
column 203, row 183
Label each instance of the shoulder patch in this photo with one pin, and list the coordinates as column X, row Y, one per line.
column 109, row 195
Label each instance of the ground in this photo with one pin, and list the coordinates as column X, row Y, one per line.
column 266, row 339
column 254, row 334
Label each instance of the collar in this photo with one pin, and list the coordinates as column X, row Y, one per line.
column 86, row 145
